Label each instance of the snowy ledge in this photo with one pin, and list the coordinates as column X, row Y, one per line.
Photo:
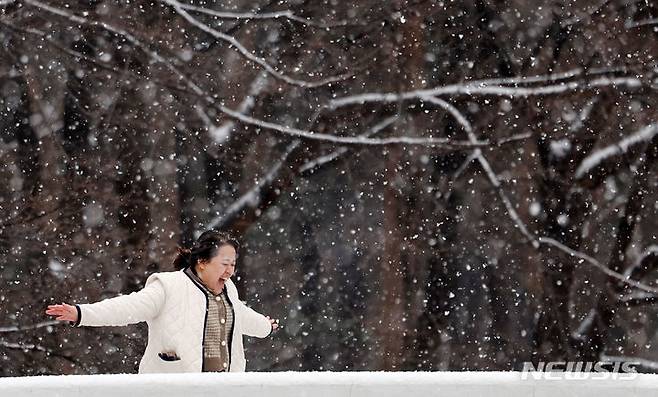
column 323, row 384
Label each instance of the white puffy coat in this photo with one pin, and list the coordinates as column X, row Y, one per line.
column 174, row 307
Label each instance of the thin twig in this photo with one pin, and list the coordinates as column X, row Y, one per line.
column 248, row 120
column 484, row 88
column 16, row 328
column 484, row 163
column 586, row 258
column 284, row 14
column 322, row 160
column 535, row 240
column 234, row 43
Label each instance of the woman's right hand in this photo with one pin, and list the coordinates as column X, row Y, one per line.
column 63, row 312
column 274, row 323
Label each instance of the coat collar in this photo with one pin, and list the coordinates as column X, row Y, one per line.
column 229, row 286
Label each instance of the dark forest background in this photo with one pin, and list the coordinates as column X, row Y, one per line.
column 417, row 185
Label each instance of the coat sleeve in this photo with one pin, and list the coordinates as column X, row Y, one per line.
column 253, row 323
column 133, row 308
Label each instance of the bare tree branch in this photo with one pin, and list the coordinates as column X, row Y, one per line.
column 484, row 88
column 585, row 325
column 22, row 346
column 356, row 140
column 31, row 346
column 326, row 159
column 587, row 15
column 284, row 14
column 60, row 46
column 645, row 22
column 652, row 365
column 221, row 133
column 295, row 132
column 644, row 265
column 252, row 198
column 586, row 258
column 472, row 156
column 638, row 298
column 493, row 179
column 477, row 154
column 234, row 43
column 17, row 328
column 595, row 159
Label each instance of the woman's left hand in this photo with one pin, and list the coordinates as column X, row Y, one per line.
column 275, row 323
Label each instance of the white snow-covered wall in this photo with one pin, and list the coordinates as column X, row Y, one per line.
column 323, row 384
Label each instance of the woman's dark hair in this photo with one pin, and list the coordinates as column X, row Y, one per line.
column 204, row 249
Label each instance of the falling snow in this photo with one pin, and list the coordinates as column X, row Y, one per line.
column 440, row 185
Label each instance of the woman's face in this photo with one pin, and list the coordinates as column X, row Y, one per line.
column 220, row 268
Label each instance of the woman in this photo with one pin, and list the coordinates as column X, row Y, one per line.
column 195, row 318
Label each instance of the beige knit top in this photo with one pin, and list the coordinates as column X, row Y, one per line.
column 219, row 324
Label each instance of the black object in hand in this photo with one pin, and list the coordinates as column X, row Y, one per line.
column 168, row 357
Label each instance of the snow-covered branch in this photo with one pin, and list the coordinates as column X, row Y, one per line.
column 493, row 179
column 252, row 198
column 645, row 22
column 638, row 298
column 22, row 346
column 48, row 38
column 322, row 160
column 583, row 115
column 295, row 132
column 586, row 258
column 284, row 14
column 535, row 240
column 234, row 43
column 644, row 135
column 646, row 263
column 506, row 201
column 472, row 156
column 356, row 140
column 35, row 347
column 17, row 328
column 221, row 133
column 585, row 325
column 552, row 78
column 653, row 365
column 81, row 20
column 587, row 15
column 485, row 88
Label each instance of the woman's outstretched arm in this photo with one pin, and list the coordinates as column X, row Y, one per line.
column 255, row 324
column 121, row 310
